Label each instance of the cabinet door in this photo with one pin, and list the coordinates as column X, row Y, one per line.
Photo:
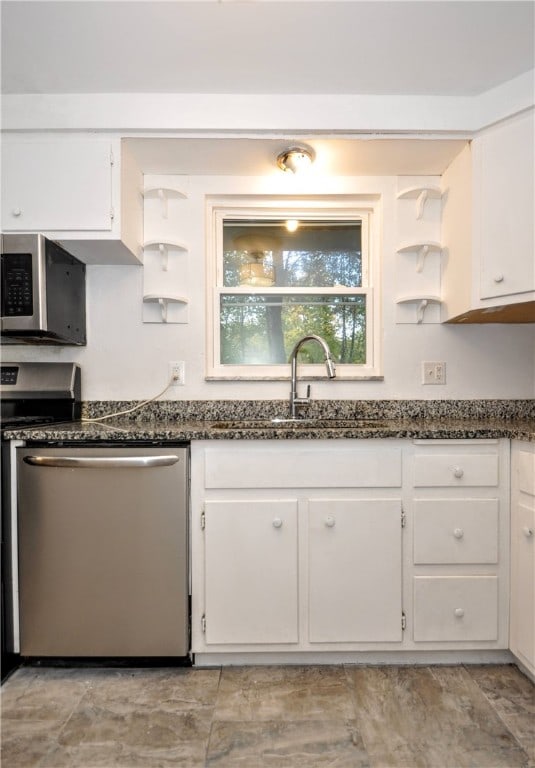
column 506, row 199
column 56, row 185
column 354, row 579
column 251, row 571
column 523, row 584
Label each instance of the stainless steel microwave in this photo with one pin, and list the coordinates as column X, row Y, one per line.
column 43, row 292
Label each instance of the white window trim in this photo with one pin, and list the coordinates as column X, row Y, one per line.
column 225, row 207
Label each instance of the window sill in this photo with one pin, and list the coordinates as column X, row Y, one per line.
column 338, row 378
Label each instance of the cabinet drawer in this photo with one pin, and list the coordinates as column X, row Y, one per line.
column 455, row 470
column 280, row 466
column 455, row 531
column 455, row 608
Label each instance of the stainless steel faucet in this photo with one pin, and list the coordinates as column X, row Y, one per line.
column 296, row 401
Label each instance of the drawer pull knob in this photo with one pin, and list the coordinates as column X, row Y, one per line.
column 330, row 521
column 459, row 612
column 527, row 531
column 17, row 212
column 458, row 471
column 498, row 278
column 458, row 533
column 277, row 522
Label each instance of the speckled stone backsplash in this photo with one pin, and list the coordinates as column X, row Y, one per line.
column 213, row 410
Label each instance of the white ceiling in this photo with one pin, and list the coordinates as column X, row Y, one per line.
column 257, row 157
column 420, row 47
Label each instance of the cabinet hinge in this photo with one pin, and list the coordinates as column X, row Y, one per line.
column 403, row 621
column 203, row 521
column 112, row 213
column 403, row 518
column 112, row 158
column 203, row 623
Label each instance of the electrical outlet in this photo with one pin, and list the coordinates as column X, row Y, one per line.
column 177, row 372
column 433, row 373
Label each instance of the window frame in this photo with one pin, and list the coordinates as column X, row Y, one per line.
column 335, row 207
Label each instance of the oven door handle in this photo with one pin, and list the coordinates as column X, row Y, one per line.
column 102, row 462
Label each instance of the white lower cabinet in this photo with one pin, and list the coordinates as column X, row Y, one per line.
column 459, row 567
column 251, row 571
column 349, row 545
column 352, row 545
column 522, row 636
column 252, row 557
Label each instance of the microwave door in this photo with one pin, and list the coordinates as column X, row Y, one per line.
column 24, row 299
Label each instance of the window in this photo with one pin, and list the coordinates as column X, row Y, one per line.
column 280, row 272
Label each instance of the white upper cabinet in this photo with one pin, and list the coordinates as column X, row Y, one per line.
column 488, row 226
column 84, row 192
column 56, row 185
column 504, row 207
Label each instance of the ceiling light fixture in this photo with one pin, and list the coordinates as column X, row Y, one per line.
column 295, row 159
column 257, row 253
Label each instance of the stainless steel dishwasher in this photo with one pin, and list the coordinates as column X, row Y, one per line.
column 103, row 551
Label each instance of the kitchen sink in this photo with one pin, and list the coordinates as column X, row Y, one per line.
column 298, row 424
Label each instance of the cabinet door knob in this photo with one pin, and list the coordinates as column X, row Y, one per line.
column 17, row 211
column 330, row 521
column 277, row 522
column 498, row 278
column 458, row 471
column 459, row 612
column 527, row 531
column 458, row 533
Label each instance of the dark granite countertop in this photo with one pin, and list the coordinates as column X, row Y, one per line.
column 178, row 430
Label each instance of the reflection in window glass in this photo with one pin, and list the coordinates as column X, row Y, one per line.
column 261, row 329
column 318, row 254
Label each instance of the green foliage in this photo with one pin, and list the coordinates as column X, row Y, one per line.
column 262, row 329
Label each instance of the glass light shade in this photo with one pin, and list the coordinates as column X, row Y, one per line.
column 257, row 273
column 296, row 159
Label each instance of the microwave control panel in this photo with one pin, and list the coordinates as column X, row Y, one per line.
column 9, row 374
column 17, row 293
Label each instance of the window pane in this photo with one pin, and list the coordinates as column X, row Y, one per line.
column 317, row 254
column 261, row 329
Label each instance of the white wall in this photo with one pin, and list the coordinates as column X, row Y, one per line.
column 310, row 113
column 128, row 359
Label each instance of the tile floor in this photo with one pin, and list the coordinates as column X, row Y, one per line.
column 256, row 717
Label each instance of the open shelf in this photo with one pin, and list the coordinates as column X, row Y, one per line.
column 421, row 248
column 164, row 193
column 164, row 246
column 164, row 302
column 421, row 194
column 422, row 303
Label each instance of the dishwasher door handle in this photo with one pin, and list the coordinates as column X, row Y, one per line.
column 102, row 462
